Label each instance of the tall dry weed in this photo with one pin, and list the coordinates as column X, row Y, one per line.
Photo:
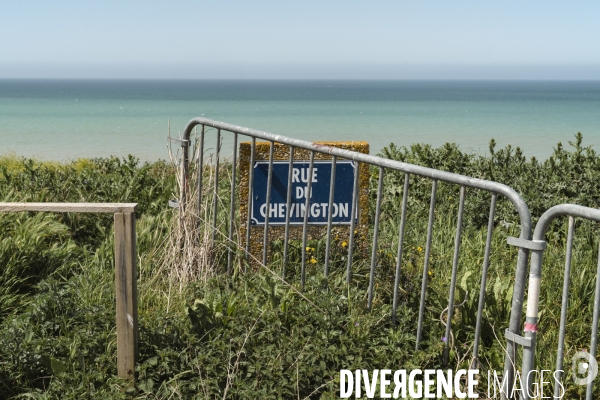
column 198, row 245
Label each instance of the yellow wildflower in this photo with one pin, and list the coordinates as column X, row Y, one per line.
column 309, row 248
column 344, row 244
column 313, row 260
column 419, row 249
column 429, row 273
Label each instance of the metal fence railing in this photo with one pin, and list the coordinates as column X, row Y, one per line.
column 531, row 320
column 383, row 166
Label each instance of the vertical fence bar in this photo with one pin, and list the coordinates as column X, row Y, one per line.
column 268, row 201
column 195, row 143
column 594, row 341
column 400, row 244
column 375, row 238
column 288, row 212
column 232, row 204
column 330, row 216
column 216, row 191
column 531, row 320
column 484, row 273
column 457, row 242
column 250, row 181
column 516, row 310
column 353, row 222
column 306, row 214
column 184, row 175
column 126, row 294
column 565, row 303
column 200, row 175
column 426, row 263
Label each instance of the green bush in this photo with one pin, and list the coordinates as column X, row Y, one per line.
column 252, row 335
column 31, row 249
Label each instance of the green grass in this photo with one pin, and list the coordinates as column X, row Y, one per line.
column 204, row 334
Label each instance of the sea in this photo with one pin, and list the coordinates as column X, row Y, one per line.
column 68, row 119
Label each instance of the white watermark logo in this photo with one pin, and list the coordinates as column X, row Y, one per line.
column 417, row 383
column 463, row 383
column 584, row 368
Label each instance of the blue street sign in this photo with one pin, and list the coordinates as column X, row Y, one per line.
column 319, row 201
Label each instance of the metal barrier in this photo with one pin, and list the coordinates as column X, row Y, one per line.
column 435, row 176
column 537, row 246
column 125, row 271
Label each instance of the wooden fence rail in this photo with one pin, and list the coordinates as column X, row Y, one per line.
column 125, row 271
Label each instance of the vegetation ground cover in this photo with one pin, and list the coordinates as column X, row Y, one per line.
column 253, row 335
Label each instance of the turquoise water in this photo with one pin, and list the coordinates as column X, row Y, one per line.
column 66, row 119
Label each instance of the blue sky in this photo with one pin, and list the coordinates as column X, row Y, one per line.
column 301, row 39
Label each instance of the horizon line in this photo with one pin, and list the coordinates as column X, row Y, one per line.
column 296, row 79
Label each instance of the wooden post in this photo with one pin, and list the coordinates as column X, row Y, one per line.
column 126, row 290
column 125, row 271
